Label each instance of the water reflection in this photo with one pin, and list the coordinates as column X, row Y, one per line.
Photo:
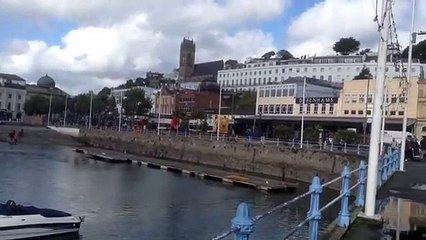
column 404, row 219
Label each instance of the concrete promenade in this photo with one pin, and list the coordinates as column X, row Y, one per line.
column 271, row 161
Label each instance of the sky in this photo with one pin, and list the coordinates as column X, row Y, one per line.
column 88, row 44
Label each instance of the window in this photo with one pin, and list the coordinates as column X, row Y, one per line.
column 370, row 98
column 347, row 98
column 254, row 72
column 308, row 108
column 290, row 109
column 273, row 92
column 285, row 91
column 353, row 112
column 19, row 97
column 361, row 98
column 264, row 81
column 276, row 79
column 276, row 70
column 392, row 113
column 269, row 79
column 233, row 74
column 394, row 98
column 330, row 78
column 291, row 91
column 354, row 98
column 300, row 108
column 10, row 96
column 321, row 77
column 249, row 81
column 314, row 70
column 290, row 69
column 315, row 108
column 267, row 92
column 19, row 107
column 321, row 69
column 283, row 109
column 271, row 109
column 339, row 69
column 264, row 72
column 331, row 109
column 314, row 76
column 323, row 109
column 277, row 109
column 360, row 112
column 261, row 93
column 402, row 98
column 270, row 71
column 283, row 70
column 279, row 92
column 297, row 69
column 400, row 113
column 368, row 112
column 9, row 106
column 346, row 112
column 305, row 69
column 260, row 109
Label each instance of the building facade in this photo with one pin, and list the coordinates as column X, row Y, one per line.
column 259, row 72
column 150, row 93
column 12, row 96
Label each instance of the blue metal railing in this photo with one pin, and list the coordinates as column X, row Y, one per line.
column 243, row 224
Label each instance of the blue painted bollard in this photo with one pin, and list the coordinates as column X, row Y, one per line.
column 242, row 224
column 314, row 213
column 344, row 215
column 360, row 195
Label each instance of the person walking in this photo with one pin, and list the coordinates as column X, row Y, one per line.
column 423, row 148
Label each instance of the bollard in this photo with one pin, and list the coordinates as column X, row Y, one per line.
column 314, row 213
column 292, row 143
column 344, row 215
column 242, row 224
column 278, row 142
column 360, row 195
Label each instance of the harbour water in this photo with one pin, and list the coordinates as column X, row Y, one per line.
column 133, row 202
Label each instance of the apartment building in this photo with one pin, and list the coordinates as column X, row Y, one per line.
column 12, row 94
column 260, row 72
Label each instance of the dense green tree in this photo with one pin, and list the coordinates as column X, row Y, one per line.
column 311, row 133
column 283, row 131
column 346, row 46
column 80, row 104
column 245, row 100
column 268, row 55
column 106, row 91
column 135, row 103
column 419, row 51
column 364, row 74
column 58, row 105
column 364, row 51
column 347, row 136
column 36, row 105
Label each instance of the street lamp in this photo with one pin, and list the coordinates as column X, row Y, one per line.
column 90, row 109
column 65, row 111
column 50, row 109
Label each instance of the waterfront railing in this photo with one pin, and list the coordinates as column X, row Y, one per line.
column 243, row 223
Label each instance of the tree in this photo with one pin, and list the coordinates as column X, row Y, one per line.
column 36, row 105
column 419, row 51
column 364, row 51
column 58, row 105
column 364, row 74
column 80, row 104
column 284, row 54
column 105, row 91
column 268, row 55
column 199, row 115
column 311, row 133
column 347, row 136
column 283, row 131
column 135, row 103
column 346, row 46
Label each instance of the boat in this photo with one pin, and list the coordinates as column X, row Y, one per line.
column 28, row 222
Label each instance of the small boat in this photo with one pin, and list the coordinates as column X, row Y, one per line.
column 28, row 222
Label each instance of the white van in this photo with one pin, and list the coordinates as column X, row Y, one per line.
column 389, row 135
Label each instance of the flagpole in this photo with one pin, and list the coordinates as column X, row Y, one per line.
column 218, row 116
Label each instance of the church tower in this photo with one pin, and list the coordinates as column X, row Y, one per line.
column 186, row 59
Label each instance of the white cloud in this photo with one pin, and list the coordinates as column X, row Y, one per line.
column 117, row 40
column 318, row 28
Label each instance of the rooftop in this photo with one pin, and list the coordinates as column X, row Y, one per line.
column 208, row 68
column 314, row 81
column 11, row 77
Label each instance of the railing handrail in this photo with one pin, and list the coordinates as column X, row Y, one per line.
column 388, row 165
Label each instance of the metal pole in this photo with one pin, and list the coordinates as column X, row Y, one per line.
column 65, row 111
column 159, row 113
column 120, row 111
column 302, row 125
column 218, row 116
column 90, row 111
column 407, row 87
column 50, row 110
column 366, row 108
column 375, row 125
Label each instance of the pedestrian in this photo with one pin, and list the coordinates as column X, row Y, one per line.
column 423, row 148
column 394, row 145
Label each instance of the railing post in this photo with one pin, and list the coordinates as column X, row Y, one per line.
column 278, row 142
column 360, row 195
column 357, row 149
column 314, row 214
column 292, row 143
column 331, row 146
column 345, row 150
column 344, row 215
column 397, row 159
column 242, row 224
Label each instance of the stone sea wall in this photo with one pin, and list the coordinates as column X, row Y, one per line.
column 299, row 164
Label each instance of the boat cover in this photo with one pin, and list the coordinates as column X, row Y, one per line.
column 11, row 209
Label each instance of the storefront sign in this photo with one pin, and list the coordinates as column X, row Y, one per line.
column 310, row 100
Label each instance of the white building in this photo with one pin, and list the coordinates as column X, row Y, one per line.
column 260, row 72
column 12, row 94
column 149, row 93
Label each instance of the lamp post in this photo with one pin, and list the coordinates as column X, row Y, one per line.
column 120, row 109
column 90, row 109
column 65, row 111
column 302, row 125
column 159, row 112
column 50, row 110
column 218, row 116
